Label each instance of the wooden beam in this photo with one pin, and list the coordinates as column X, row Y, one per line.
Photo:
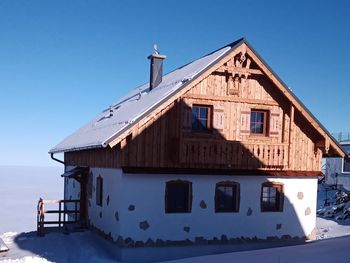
column 230, row 99
column 324, row 145
column 216, row 172
column 237, row 70
column 291, row 122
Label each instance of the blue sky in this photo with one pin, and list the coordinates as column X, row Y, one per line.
column 62, row 62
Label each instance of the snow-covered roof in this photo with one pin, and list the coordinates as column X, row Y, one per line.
column 113, row 121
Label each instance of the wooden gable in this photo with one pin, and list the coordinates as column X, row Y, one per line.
column 231, row 89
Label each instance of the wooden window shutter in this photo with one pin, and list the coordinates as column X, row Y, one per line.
column 245, row 121
column 187, row 117
column 275, row 123
column 219, row 118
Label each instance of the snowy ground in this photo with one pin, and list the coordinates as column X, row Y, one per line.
column 88, row 247
column 333, row 229
column 57, row 247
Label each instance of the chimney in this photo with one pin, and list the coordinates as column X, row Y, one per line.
column 156, row 68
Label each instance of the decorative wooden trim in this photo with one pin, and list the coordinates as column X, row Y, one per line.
column 214, row 172
column 237, row 70
column 230, row 99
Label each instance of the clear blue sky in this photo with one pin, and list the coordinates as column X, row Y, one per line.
column 62, row 62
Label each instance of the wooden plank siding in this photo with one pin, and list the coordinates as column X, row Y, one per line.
column 165, row 140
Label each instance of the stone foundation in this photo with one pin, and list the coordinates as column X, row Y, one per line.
column 127, row 242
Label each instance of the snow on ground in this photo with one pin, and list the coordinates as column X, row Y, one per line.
column 57, row 247
column 331, row 250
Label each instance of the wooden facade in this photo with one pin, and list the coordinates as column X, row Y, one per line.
column 232, row 88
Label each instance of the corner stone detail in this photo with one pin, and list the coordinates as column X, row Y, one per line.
column 300, row 195
column 249, row 212
column 131, row 208
column 144, row 225
column 307, row 211
column 203, row 205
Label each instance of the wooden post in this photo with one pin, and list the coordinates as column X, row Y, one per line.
column 59, row 214
column 291, row 122
column 76, row 211
column 40, row 217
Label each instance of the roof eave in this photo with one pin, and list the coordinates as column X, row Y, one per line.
column 74, row 149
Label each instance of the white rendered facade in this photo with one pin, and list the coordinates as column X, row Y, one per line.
column 136, row 208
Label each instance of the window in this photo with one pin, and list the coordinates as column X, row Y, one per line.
column 272, row 197
column 99, row 190
column 258, row 122
column 178, row 197
column 227, row 197
column 201, row 116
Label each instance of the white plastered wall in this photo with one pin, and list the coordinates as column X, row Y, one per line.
column 71, row 189
column 146, row 194
column 106, row 217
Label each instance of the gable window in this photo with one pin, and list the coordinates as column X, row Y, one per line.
column 201, row 118
column 227, row 197
column 272, row 197
column 178, row 197
column 99, row 191
column 258, row 122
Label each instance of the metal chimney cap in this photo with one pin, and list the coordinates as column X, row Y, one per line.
column 156, row 53
column 156, row 56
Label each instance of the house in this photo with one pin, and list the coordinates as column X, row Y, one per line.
column 217, row 151
column 337, row 170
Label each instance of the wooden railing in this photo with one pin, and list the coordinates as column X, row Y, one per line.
column 65, row 214
column 233, row 154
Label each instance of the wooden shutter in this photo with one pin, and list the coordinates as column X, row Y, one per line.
column 245, row 121
column 219, row 118
column 275, row 123
column 186, row 117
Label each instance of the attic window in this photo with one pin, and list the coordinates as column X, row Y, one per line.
column 201, row 118
column 258, row 122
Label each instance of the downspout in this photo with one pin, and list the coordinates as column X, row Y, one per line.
column 57, row 160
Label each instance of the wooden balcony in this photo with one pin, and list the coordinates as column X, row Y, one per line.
column 233, row 154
